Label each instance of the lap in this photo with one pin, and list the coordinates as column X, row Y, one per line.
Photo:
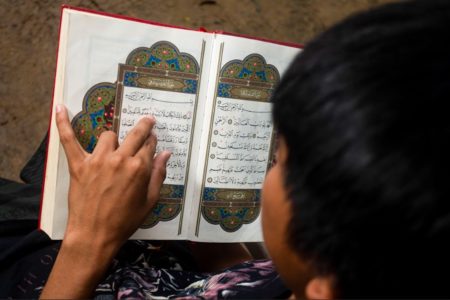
column 141, row 269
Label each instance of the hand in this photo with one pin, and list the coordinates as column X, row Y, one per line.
column 113, row 189
column 111, row 192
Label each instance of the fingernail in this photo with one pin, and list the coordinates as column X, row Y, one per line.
column 150, row 117
column 58, row 108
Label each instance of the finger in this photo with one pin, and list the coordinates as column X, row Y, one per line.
column 72, row 148
column 137, row 136
column 157, row 177
column 107, row 143
column 147, row 151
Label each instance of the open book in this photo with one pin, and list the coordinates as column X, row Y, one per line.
column 210, row 94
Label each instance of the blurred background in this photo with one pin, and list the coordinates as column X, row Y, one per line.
column 29, row 37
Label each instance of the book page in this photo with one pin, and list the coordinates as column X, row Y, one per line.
column 97, row 53
column 162, row 82
column 240, row 139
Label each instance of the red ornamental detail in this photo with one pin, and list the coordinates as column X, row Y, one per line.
column 99, row 119
column 170, row 209
column 188, row 66
column 82, row 131
column 99, row 99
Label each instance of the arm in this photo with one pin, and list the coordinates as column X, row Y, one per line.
column 111, row 192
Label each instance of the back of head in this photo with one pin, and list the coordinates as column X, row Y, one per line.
column 363, row 111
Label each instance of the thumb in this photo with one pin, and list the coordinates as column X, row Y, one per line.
column 72, row 148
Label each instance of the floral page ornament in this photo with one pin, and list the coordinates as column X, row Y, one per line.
column 102, row 102
column 231, row 201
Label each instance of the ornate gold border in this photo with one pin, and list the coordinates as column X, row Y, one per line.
column 244, row 83
column 163, row 74
column 211, row 121
column 193, row 130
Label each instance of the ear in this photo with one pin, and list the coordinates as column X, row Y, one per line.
column 319, row 288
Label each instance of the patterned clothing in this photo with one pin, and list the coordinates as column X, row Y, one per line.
column 142, row 269
column 143, row 279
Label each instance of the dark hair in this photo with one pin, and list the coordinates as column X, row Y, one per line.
column 363, row 111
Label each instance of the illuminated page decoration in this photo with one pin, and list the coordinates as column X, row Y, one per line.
column 162, row 82
column 209, row 93
column 240, row 143
column 97, row 114
column 158, row 81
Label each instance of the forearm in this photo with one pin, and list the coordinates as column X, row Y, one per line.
column 112, row 190
column 78, row 269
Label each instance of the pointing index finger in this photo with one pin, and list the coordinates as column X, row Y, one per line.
column 137, row 136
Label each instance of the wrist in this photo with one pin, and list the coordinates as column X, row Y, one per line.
column 81, row 264
column 89, row 249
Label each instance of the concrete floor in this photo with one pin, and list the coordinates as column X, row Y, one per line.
column 29, row 35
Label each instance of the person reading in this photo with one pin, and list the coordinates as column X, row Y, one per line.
column 357, row 204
